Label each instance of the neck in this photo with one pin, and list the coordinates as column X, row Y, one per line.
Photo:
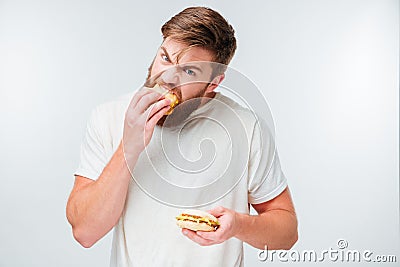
column 207, row 97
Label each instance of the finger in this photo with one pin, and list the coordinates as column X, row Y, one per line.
column 147, row 100
column 138, row 95
column 151, row 123
column 217, row 212
column 157, row 107
column 196, row 238
column 212, row 236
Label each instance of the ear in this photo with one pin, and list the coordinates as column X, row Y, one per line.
column 215, row 82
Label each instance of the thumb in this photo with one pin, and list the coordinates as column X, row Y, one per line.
column 217, row 212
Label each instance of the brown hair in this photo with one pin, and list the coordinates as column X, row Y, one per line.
column 205, row 28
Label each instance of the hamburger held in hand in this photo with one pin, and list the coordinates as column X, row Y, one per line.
column 197, row 220
column 172, row 98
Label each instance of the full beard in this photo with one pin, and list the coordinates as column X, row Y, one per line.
column 183, row 110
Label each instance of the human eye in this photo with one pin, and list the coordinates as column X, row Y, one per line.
column 190, row 72
column 165, row 58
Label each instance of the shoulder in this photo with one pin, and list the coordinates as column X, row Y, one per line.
column 246, row 115
column 257, row 125
column 108, row 116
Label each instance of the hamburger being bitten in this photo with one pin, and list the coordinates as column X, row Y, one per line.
column 197, row 220
column 172, row 97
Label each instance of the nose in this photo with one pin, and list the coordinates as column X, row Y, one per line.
column 170, row 78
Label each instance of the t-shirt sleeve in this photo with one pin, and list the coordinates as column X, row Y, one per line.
column 266, row 179
column 93, row 157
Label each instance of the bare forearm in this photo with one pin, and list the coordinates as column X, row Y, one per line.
column 95, row 208
column 276, row 229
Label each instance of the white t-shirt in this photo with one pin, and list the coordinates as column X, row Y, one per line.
column 241, row 166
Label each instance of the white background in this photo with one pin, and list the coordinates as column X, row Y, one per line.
column 329, row 70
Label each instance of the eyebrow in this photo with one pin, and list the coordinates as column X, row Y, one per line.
column 165, row 52
column 184, row 65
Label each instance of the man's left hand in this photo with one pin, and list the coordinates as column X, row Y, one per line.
column 229, row 226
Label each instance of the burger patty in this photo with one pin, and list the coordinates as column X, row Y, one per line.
column 197, row 219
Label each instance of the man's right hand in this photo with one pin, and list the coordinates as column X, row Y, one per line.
column 144, row 111
column 95, row 206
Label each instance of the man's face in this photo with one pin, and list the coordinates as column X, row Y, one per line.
column 185, row 72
